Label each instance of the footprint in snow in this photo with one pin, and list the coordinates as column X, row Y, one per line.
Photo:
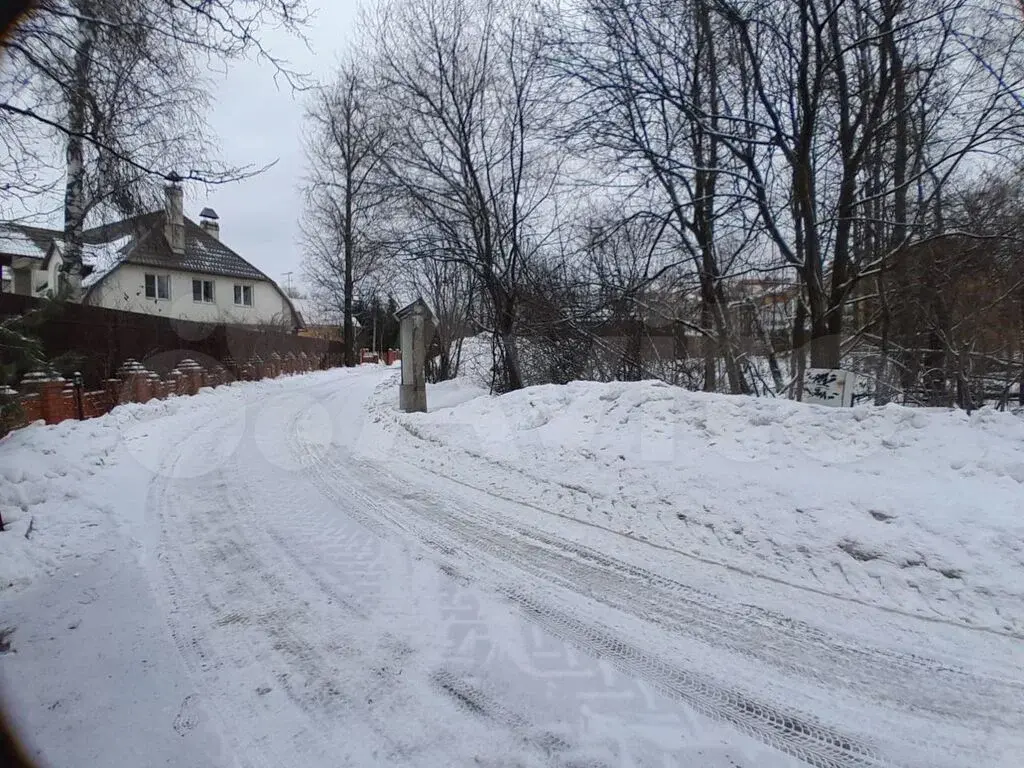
column 188, row 715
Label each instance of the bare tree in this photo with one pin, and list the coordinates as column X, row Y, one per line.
column 449, row 288
column 347, row 141
column 846, row 106
column 636, row 73
column 462, row 79
column 951, row 309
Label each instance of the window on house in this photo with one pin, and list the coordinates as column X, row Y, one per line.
column 243, row 295
column 202, row 290
column 158, row 286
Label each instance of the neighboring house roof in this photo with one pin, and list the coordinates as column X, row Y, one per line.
column 19, row 240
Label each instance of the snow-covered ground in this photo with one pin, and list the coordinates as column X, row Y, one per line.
column 917, row 510
column 290, row 572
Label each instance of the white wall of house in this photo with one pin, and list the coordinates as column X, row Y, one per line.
column 30, row 279
column 125, row 288
column 47, row 279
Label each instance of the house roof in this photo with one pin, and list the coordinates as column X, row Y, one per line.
column 135, row 240
column 203, row 253
column 21, row 240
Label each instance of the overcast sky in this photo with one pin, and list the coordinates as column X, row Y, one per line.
column 258, row 122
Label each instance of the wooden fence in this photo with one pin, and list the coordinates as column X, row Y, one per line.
column 97, row 341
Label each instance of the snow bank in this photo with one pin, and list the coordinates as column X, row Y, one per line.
column 42, row 471
column 449, row 394
column 63, row 487
column 917, row 509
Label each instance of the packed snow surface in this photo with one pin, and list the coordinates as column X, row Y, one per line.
column 916, row 509
column 291, row 572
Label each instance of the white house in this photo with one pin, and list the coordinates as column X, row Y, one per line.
column 158, row 263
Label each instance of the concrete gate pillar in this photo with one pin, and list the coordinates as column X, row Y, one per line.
column 415, row 332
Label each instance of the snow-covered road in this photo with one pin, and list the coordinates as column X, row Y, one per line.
column 266, row 582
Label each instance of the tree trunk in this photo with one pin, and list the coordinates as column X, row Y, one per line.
column 1020, row 349
column 882, row 394
column 511, row 377
column 737, row 381
column 769, row 347
column 709, row 343
column 349, row 288
column 799, row 346
column 824, row 346
column 74, row 189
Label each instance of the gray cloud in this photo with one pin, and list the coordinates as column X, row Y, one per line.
column 257, row 122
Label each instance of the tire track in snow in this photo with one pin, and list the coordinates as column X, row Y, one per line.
column 796, row 647
column 181, row 577
column 799, row 648
column 799, row 736
column 243, row 572
column 855, row 599
column 609, row 696
column 216, row 585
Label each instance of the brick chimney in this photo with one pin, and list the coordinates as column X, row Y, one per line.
column 208, row 221
column 174, row 226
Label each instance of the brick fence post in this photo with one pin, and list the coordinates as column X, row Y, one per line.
column 258, row 371
column 156, row 386
column 49, row 386
column 69, row 403
column 142, row 387
column 113, row 390
column 193, row 373
column 52, row 395
column 129, row 373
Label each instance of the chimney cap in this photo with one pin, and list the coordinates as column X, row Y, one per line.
column 173, row 177
column 208, row 213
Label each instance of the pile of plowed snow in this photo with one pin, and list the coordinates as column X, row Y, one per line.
column 63, row 488
column 917, row 509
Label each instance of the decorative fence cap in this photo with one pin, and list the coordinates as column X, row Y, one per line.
column 132, row 367
column 40, row 376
